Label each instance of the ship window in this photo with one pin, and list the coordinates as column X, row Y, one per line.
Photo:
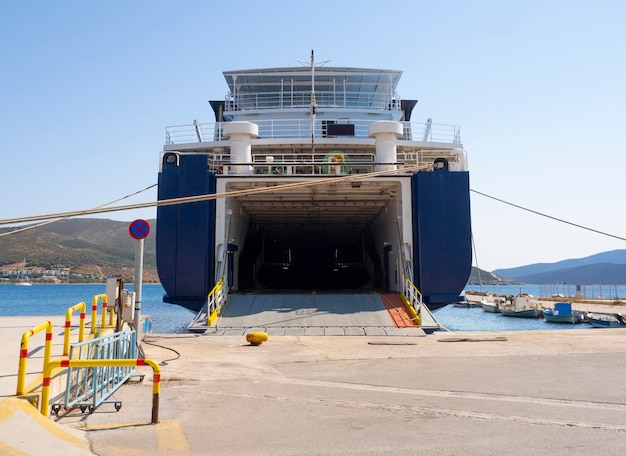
column 340, row 129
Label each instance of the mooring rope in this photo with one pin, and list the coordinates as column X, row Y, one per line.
column 549, row 216
column 31, row 227
column 208, row 197
column 104, row 208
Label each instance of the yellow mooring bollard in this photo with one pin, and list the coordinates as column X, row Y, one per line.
column 256, row 338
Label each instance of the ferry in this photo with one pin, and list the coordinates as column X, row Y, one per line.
column 313, row 179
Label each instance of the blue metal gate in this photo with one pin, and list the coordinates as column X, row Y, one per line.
column 89, row 387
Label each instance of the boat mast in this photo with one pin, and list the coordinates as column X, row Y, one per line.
column 313, row 104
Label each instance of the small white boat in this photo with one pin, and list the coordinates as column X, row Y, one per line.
column 22, row 279
column 522, row 308
column 492, row 303
column 491, row 306
column 464, row 302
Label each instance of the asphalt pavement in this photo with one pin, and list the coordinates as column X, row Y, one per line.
column 516, row 393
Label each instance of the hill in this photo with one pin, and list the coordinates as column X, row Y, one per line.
column 601, row 273
column 87, row 249
column 601, row 268
column 77, row 250
column 482, row 277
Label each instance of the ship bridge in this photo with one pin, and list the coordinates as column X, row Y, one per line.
column 293, row 87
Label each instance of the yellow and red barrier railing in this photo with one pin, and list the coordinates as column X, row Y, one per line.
column 94, row 312
column 21, row 371
column 68, row 326
column 78, row 363
column 47, row 325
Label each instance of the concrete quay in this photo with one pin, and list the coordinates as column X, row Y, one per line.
column 554, row 392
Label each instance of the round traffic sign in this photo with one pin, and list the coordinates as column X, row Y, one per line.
column 139, row 229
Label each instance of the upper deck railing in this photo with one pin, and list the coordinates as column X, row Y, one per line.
column 301, row 129
column 333, row 99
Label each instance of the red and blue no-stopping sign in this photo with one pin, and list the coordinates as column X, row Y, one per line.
column 139, row 229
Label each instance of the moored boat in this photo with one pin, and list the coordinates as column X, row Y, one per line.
column 22, row 278
column 463, row 302
column 605, row 320
column 562, row 313
column 521, row 307
column 491, row 306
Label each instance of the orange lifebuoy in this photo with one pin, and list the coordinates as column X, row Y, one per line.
column 337, row 158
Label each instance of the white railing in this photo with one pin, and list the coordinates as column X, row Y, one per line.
column 412, row 295
column 301, row 129
column 215, row 301
column 306, row 162
column 323, row 99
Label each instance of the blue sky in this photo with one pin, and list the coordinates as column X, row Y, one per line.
column 538, row 88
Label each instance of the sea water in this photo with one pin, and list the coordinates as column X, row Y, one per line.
column 476, row 319
column 50, row 300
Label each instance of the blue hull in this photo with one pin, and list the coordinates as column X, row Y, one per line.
column 186, row 232
column 441, row 235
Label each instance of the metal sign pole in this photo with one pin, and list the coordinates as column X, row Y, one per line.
column 138, row 230
column 119, row 305
column 138, row 285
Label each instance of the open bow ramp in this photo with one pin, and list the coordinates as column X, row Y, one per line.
column 303, row 314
